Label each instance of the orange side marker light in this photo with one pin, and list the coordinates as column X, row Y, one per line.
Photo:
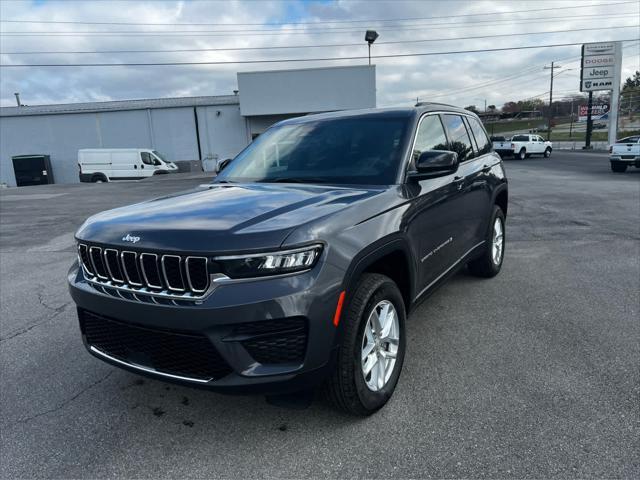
column 336, row 317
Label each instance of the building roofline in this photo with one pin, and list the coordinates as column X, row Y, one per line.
column 119, row 105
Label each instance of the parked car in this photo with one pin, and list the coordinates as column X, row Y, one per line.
column 523, row 146
column 298, row 265
column 107, row 164
column 501, row 145
column 625, row 153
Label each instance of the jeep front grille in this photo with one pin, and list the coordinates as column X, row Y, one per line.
column 172, row 276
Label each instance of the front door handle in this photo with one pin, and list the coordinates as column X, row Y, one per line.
column 486, row 168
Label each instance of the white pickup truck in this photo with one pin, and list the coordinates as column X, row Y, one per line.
column 501, row 145
column 523, row 146
column 624, row 153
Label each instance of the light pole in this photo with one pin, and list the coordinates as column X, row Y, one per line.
column 370, row 36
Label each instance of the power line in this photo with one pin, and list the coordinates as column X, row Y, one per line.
column 321, row 22
column 288, row 60
column 526, row 72
column 337, row 30
column 475, row 37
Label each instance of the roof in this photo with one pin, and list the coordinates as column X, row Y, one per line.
column 91, row 107
column 384, row 112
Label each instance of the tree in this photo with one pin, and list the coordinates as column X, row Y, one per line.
column 510, row 107
column 491, row 108
column 471, row 108
column 630, row 95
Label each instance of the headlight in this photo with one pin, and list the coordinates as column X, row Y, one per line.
column 272, row 263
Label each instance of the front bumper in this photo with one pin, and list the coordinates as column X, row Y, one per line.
column 246, row 326
column 632, row 160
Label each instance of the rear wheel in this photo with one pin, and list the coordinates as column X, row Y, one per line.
column 547, row 152
column 490, row 262
column 618, row 167
column 522, row 154
column 372, row 347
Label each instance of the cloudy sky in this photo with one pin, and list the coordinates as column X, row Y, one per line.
column 323, row 29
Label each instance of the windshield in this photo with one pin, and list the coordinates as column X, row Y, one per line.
column 346, row 151
column 157, row 154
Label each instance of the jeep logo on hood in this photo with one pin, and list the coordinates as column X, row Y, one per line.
column 130, row 238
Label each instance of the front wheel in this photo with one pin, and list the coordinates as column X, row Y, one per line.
column 547, row 152
column 490, row 262
column 372, row 347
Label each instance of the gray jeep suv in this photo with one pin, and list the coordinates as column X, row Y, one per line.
column 297, row 266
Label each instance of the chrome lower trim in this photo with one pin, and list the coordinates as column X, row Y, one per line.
column 157, row 293
column 455, row 264
column 146, row 369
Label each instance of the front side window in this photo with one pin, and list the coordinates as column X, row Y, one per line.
column 482, row 141
column 146, row 158
column 360, row 150
column 459, row 140
column 430, row 136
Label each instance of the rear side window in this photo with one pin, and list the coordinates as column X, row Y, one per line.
column 483, row 143
column 629, row 140
column 430, row 136
column 520, row 138
column 459, row 140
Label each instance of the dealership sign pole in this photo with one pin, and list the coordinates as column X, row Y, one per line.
column 601, row 70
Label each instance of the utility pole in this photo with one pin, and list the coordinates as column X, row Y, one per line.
column 550, row 100
column 571, row 124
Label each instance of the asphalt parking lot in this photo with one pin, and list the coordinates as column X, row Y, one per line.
column 535, row 373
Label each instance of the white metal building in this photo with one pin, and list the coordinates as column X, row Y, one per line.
column 192, row 131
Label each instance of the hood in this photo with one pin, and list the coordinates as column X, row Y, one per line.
column 220, row 218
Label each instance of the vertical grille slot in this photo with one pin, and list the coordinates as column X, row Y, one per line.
column 197, row 275
column 150, row 270
column 113, row 265
column 95, row 253
column 83, row 255
column 130, row 267
column 172, row 272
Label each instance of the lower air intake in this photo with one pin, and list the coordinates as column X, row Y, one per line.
column 174, row 353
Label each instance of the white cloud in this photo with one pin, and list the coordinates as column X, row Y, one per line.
column 400, row 80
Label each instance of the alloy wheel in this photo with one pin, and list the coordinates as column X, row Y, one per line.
column 380, row 342
column 497, row 242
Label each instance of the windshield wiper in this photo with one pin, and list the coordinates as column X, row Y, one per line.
column 294, row 180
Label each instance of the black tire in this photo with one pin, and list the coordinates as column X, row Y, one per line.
column 98, row 178
column 522, row 154
column 346, row 388
column 547, row 152
column 618, row 167
column 485, row 266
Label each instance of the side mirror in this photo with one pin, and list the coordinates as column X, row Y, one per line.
column 221, row 164
column 436, row 163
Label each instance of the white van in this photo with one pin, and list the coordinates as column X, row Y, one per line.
column 107, row 164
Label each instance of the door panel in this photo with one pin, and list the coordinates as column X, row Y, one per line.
column 434, row 212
